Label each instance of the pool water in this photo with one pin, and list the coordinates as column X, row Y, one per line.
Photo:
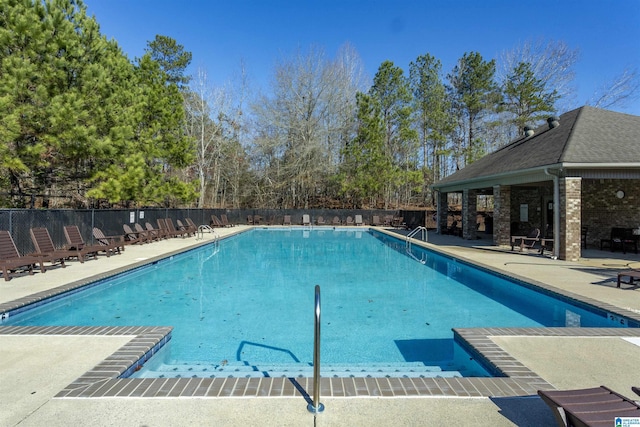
column 249, row 301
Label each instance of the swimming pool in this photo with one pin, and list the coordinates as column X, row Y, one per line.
column 245, row 307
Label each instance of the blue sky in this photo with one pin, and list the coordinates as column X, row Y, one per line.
column 221, row 34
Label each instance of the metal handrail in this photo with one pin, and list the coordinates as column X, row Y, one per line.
column 415, row 231
column 316, row 406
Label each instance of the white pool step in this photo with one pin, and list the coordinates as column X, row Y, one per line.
column 239, row 369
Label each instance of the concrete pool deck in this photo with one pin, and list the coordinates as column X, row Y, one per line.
column 35, row 368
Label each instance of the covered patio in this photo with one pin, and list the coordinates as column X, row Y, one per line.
column 577, row 179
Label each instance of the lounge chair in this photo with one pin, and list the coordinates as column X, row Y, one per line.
column 148, row 236
column 11, row 260
column 306, row 220
column 359, row 220
column 528, row 241
column 185, row 228
column 192, row 225
column 44, row 247
column 174, row 230
column 286, row 220
column 225, row 220
column 589, row 407
column 631, row 274
column 375, row 221
column 133, row 237
column 336, row 221
column 113, row 243
column 320, row 221
column 215, row 222
column 76, row 242
column 349, row 220
column 156, row 233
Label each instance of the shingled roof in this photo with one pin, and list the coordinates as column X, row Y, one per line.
column 586, row 138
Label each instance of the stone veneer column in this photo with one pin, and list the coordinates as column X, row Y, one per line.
column 469, row 214
column 443, row 210
column 570, row 218
column 501, row 215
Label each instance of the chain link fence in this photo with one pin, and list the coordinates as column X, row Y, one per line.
column 19, row 221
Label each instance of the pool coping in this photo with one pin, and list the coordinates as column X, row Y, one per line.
column 103, row 381
column 513, row 378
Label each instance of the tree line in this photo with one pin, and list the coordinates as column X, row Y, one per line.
column 82, row 125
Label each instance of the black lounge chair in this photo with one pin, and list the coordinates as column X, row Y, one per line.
column 597, row 406
column 11, row 260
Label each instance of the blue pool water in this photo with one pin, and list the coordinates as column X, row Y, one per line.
column 249, row 302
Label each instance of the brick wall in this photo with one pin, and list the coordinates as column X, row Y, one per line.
column 602, row 210
column 570, row 218
column 469, row 214
column 501, row 215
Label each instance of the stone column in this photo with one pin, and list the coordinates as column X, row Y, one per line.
column 570, row 218
column 443, row 210
column 469, row 214
column 501, row 215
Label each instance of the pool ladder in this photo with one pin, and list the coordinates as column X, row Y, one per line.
column 412, row 233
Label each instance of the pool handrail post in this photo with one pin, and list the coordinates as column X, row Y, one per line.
column 316, row 406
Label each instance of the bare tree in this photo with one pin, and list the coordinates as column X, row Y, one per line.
column 301, row 127
column 619, row 92
column 552, row 63
column 202, row 104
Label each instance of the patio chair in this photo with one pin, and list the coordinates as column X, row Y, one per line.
column 172, row 228
column 249, row 219
column 156, row 233
column 306, row 220
column 286, row 220
column 359, row 220
column 336, row 221
column 589, row 406
column 44, row 247
column 320, row 221
column 225, row 220
column 132, row 237
column 146, row 234
column 529, row 241
column 162, row 225
column 192, row 225
column 215, row 222
column 375, row 221
column 349, row 221
column 11, row 260
column 76, row 242
column 185, row 228
column 113, row 243
column 622, row 238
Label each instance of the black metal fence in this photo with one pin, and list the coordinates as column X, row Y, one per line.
column 110, row 221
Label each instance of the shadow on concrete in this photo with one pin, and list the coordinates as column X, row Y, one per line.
column 527, row 411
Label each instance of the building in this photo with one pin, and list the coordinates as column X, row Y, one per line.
column 578, row 172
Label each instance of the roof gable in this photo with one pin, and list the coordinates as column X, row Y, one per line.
column 585, row 135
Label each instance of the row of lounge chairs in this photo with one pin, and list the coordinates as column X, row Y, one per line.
column 45, row 251
column 356, row 220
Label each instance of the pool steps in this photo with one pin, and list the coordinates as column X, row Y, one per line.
column 243, row 370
